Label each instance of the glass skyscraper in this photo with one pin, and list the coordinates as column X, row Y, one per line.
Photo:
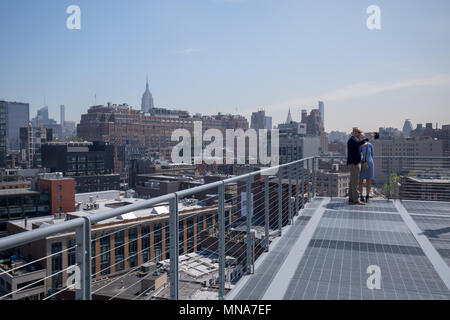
column 2, row 134
column 322, row 112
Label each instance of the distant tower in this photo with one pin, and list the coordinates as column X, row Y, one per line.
column 304, row 116
column 62, row 115
column 258, row 120
column 322, row 111
column 407, row 128
column 269, row 123
column 289, row 117
column 147, row 100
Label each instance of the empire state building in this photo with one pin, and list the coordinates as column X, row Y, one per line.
column 147, row 100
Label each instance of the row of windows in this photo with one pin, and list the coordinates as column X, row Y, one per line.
column 90, row 158
column 119, row 247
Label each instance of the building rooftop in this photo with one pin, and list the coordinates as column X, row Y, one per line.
column 21, row 191
column 329, row 251
column 102, row 206
column 14, row 183
column 429, row 180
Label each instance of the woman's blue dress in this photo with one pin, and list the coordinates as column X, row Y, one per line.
column 367, row 152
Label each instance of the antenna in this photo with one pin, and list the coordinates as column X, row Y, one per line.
column 95, row 99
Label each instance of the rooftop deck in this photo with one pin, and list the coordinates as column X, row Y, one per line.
column 325, row 253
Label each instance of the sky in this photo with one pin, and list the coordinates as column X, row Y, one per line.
column 233, row 56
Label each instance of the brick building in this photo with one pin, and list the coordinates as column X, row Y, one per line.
column 118, row 244
column 121, row 125
column 61, row 192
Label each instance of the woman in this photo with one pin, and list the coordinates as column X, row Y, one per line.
column 368, row 173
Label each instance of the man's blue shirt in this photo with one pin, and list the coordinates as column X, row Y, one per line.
column 353, row 150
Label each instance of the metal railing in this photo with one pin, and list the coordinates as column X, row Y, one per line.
column 398, row 177
column 209, row 246
column 258, row 205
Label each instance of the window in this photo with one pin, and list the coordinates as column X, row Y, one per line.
column 157, row 231
column 105, row 255
column 208, row 221
column 167, row 237
column 132, row 247
column 145, row 238
column 71, row 252
column 190, row 235
column 57, row 265
column 60, row 198
column 93, row 257
column 199, row 230
column 59, row 187
column 119, row 250
column 181, row 237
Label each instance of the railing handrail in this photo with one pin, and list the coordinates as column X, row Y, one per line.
column 389, row 157
column 25, row 237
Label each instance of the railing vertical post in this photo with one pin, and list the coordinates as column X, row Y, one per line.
column 174, row 247
column 83, row 260
column 296, row 188
column 280, row 201
column 330, row 190
column 308, row 186
column 221, row 241
column 253, row 237
column 314, row 177
column 266, row 212
column 303, row 185
column 289, row 171
column 249, row 213
column 389, row 188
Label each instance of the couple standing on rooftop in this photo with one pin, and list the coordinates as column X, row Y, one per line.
column 359, row 151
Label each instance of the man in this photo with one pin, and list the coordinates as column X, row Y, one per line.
column 354, row 163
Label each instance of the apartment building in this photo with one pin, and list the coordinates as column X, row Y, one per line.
column 414, row 152
column 121, row 125
column 118, row 244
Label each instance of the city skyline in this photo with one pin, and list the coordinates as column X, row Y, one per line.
column 276, row 56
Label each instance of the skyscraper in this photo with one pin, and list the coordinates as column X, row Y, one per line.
column 407, row 128
column 17, row 116
column 258, row 120
column 289, row 117
column 304, row 116
column 322, row 112
column 43, row 120
column 2, row 134
column 314, row 124
column 62, row 115
column 147, row 100
column 269, row 123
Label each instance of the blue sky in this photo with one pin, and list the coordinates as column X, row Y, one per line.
column 233, row 56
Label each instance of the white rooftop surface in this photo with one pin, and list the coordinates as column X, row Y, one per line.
column 102, row 207
column 205, row 295
column 195, row 265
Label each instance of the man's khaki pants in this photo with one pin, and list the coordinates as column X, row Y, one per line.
column 354, row 180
